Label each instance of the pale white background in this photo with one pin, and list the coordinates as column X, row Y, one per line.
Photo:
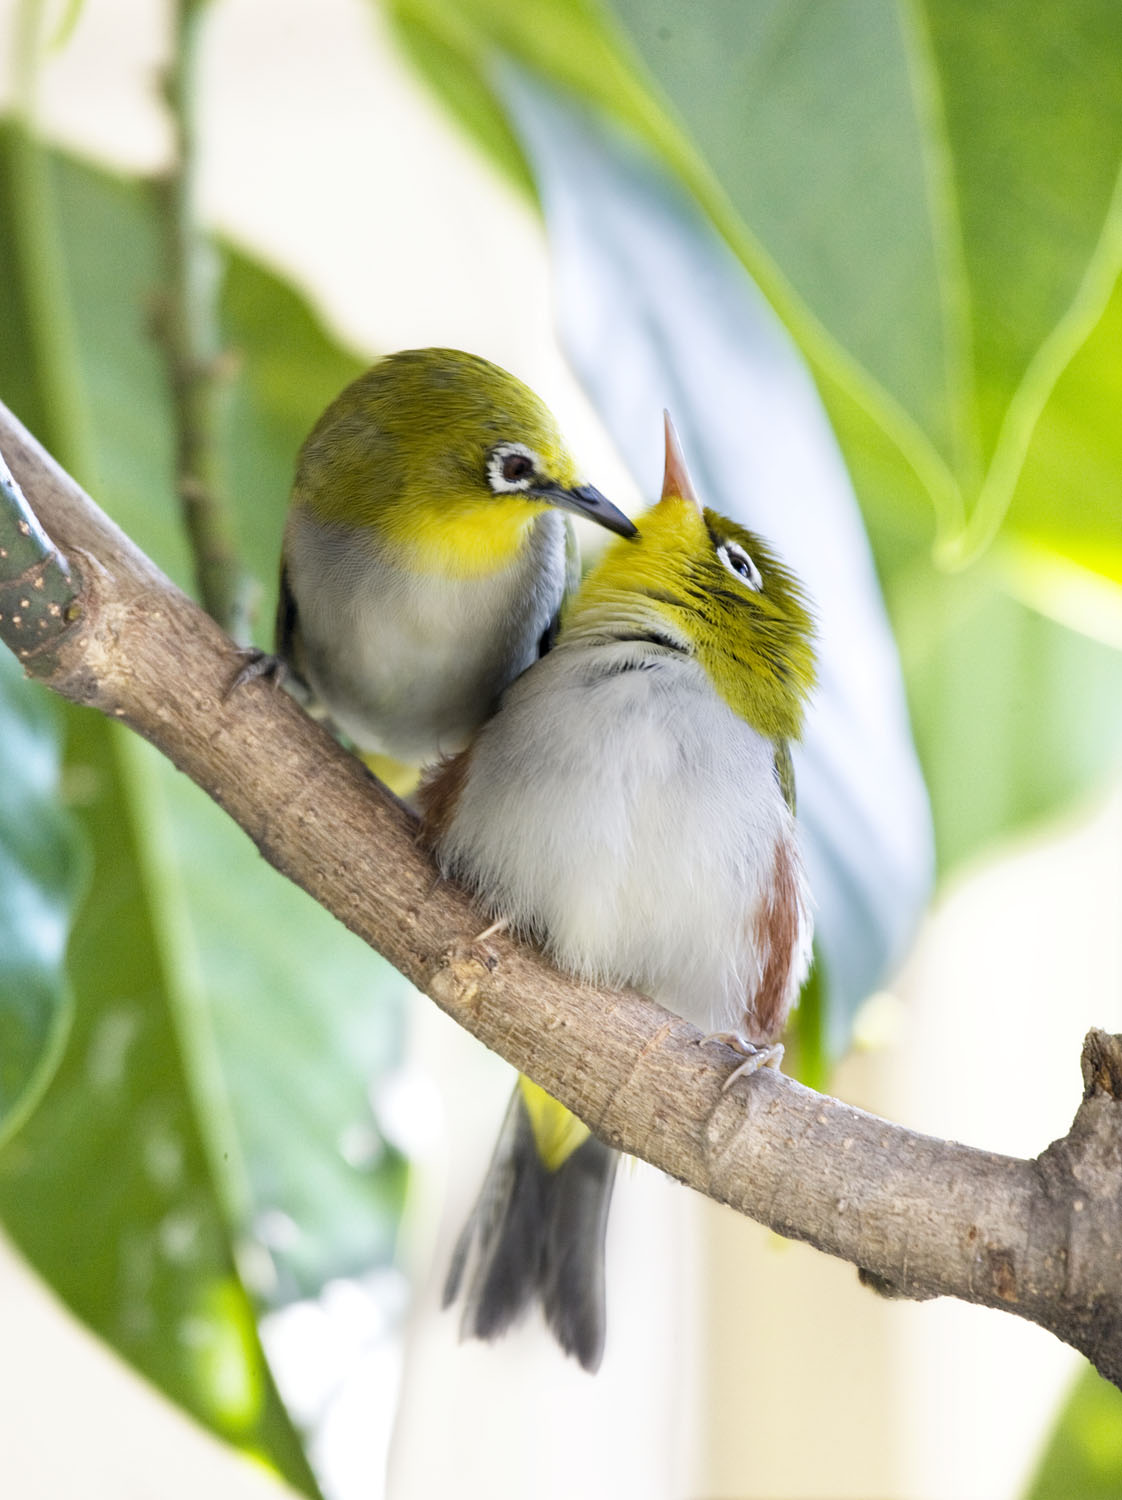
column 740, row 1367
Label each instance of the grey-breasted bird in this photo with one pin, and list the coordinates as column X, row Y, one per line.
column 630, row 807
column 427, row 552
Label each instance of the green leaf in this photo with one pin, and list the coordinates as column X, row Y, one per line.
column 268, row 970
column 286, row 370
column 808, row 116
column 21, row 390
column 934, row 180
column 41, row 867
column 1031, row 134
column 37, row 355
column 1015, row 713
column 110, row 250
column 928, row 195
column 1083, row 1460
column 107, row 1189
column 1069, row 500
column 295, row 1019
column 211, row 1117
column 41, row 859
column 941, row 185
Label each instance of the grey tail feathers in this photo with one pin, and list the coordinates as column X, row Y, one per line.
column 537, row 1234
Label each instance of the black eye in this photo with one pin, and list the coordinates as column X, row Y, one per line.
column 740, row 565
column 512, row 468
column 516, row 466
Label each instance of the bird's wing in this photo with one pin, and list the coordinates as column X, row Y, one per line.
column 777, row 933
column 785, row 773
column 286, row 635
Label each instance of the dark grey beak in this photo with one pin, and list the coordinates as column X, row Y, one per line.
column 583, row 500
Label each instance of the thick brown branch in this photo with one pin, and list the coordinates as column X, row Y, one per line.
column 1039, row 1238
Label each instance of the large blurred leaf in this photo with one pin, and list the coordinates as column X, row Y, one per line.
column 226, row 1025
column 302, row 1017
column 1083, row 1460
column 654, row 311
column 107, row 1188
column 934, row 179
column 1015, row 713
column 40, row 861
column 808, row 116
column 274, row 970
column 1025, row 131
column 927, row 194
column 40, row 856
column 1070, row 495
column 288, row 369
column 23, row 389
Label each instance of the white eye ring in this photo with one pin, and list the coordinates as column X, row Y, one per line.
column 501, row 454
column 740, row 565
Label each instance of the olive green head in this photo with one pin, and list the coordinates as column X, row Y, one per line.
column 444, row 456
column 694, row 582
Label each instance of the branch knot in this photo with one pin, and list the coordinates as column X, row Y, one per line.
column 1102, row 1065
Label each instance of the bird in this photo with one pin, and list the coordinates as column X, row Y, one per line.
column 427, row 549
column 630, row 808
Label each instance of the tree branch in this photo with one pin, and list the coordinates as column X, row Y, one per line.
column 1042, row 1239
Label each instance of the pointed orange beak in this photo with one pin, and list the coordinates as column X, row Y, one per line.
column 676, row 478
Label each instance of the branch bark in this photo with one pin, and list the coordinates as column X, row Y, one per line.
column 925, row 1217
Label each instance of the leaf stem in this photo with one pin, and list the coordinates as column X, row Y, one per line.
column 186, row 329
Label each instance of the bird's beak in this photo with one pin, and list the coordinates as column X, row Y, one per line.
column 583, row 500
column 676, row 480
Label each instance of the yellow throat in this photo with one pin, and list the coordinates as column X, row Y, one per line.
column 460, row 542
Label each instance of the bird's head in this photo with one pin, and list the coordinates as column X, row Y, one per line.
column 447, row 458
column 695, row 583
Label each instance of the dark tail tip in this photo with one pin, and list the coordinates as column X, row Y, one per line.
column 572, row 1277
column 537, row 1234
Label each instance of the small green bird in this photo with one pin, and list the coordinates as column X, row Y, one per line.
column 630, row 807
column 425, row 554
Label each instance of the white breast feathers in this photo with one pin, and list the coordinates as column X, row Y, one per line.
column 618, row 812
column 406, row 664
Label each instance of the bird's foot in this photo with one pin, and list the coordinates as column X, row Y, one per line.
column 479, row 948
column 258, row 663
column 493, row 931
column 755, row 1056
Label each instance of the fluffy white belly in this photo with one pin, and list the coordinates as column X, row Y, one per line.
column 630, row 822
column 407, row 665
